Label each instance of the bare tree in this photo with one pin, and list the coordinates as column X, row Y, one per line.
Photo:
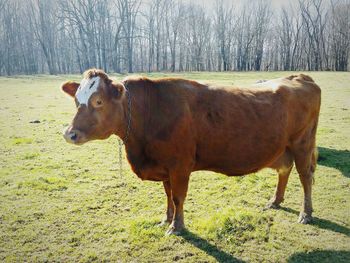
column 339, row 35
column 245, row 37
column 314, row 22
column 174, row 21
column 261, row 16
column 289, row 38
column 43, row 23
column 224, row 29
column 68, row 36
column 10, row 22
column 128, row 10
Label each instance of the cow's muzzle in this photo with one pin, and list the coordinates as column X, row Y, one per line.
column 73, row 136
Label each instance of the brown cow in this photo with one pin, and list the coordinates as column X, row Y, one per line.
column 172, row 127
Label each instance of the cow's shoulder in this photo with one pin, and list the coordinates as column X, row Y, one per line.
column 137, row 81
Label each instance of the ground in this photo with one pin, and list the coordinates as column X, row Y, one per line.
column 59, row 202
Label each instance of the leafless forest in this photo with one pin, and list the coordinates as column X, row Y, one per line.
column 69, row 36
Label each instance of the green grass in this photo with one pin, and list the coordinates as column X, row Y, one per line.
column 59, row 202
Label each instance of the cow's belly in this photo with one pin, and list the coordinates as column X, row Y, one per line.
column 240, row 155
column 233, row 166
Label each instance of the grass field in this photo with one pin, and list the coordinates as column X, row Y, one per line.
column 64, row 203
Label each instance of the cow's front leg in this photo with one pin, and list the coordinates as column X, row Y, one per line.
column 179, row 186
column 170, row 205
column 283, row 166
column 278, row 198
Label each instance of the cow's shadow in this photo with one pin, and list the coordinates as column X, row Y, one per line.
column 338, row 159
column 209, row 249
column 321, row 256
column 323, row 223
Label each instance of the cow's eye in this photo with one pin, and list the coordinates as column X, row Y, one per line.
column 97, row 102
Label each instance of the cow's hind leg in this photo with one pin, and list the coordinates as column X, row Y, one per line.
column 302, row 162
column 170, row 205
column 283, row 166
column 305, row 162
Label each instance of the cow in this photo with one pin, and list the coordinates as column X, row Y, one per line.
column 172, row 126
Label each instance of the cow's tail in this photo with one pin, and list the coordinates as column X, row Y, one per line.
column 301, row 77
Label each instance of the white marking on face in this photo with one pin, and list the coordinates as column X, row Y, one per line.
column 86, row 89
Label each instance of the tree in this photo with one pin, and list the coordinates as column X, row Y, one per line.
column 339, row 35
column 314, row 23
column 128, row 10
column 224, row 29
column 69, row 36
column 43, row 22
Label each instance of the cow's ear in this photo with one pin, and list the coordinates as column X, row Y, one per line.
column 70, row 87
column 118, row 90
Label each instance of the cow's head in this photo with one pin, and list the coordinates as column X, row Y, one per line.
column 100, row 111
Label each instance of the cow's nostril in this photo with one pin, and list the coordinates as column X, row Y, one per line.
column 73, row 136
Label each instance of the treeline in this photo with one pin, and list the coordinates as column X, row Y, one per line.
column 69, row 36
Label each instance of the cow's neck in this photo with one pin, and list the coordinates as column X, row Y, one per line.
column 134, row 106
column 134, row 139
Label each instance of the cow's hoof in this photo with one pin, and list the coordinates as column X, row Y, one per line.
column 164, row 222
column 173, row 231
column 272, row 205
column 304, row 218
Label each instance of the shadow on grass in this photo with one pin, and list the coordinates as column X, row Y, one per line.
column 320, row 256
column 338, row 159
column 218, row 254
column 323, row 223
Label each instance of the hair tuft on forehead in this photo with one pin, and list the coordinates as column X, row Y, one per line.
column 93, row 72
